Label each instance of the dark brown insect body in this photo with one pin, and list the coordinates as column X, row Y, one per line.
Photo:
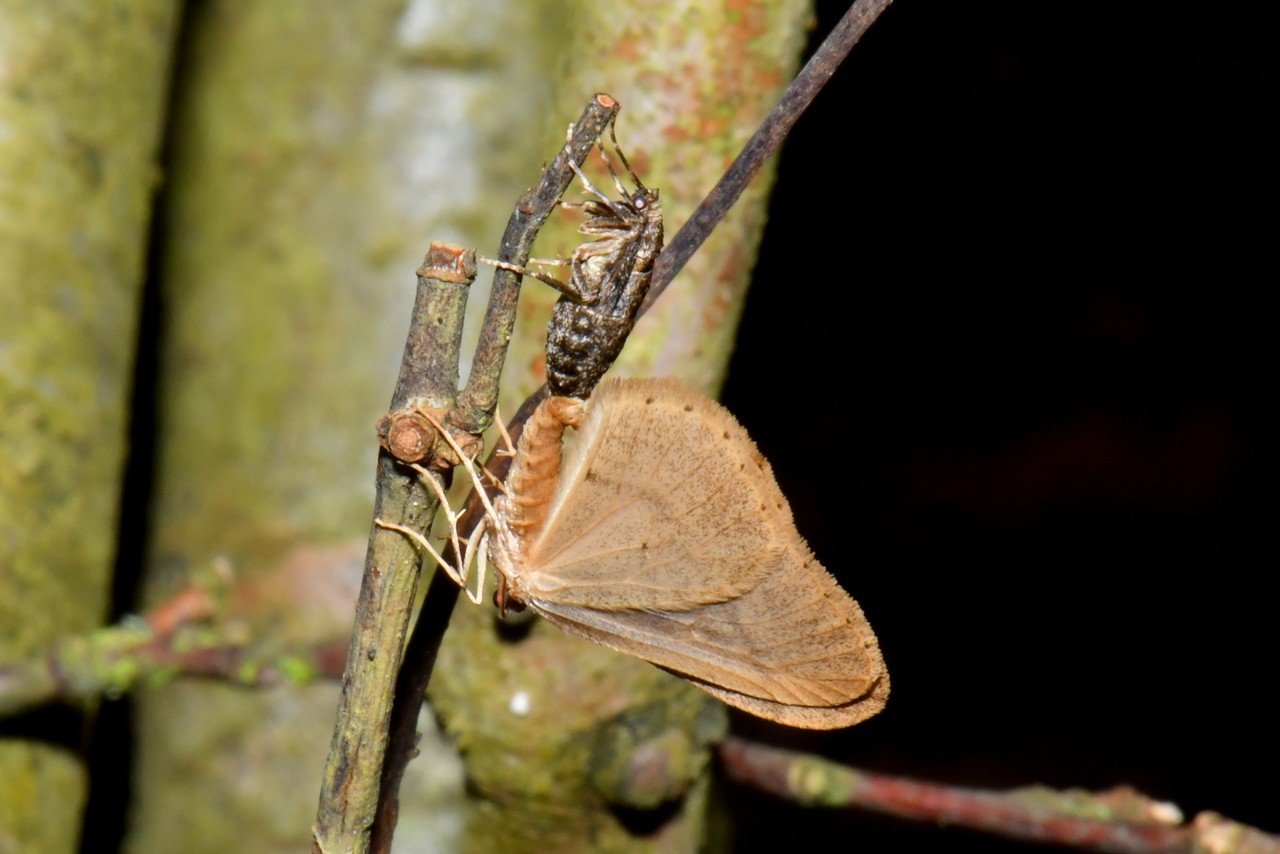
column 609, row 278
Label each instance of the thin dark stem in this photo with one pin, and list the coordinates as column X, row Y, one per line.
column 763, row 143
column 174, row 637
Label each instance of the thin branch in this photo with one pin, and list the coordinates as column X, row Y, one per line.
column 474, row 410
column 763, row 143
column 179, row 637
column 428, row 380
column 1121, row 821
column 471, row 414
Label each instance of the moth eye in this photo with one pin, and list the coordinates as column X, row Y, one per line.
column 638, row 201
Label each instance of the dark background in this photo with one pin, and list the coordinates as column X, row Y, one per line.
column 1005, row 351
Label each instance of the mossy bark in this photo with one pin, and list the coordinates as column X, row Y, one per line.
column 316, row 154
column 82, row 95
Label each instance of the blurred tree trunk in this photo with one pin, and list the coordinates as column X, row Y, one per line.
column 317, row 151
column 82, row 97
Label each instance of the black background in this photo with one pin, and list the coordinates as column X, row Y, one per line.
column 1004, row 348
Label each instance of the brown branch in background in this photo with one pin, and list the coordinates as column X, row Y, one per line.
column 763, row 143
column 473, row 412
column 1122, row 821
column 179, row 637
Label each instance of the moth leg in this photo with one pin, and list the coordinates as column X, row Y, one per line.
column 510, row 449
column 457, row 573
column 493, row 479
column 480, row 553
column 466, row 463
column 422, row 541
column 545, row 278
column 448, row 514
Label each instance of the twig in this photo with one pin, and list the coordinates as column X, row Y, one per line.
column 173, row 639
column 763, row 143
column 1122, row 821
column 428, row 380
column 475, row 405
column 472, row 413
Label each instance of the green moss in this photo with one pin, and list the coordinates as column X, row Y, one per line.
column 297, row 670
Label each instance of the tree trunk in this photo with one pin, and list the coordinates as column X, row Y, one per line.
column 82, row 96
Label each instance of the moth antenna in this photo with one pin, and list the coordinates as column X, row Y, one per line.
column 620, row 213
column 608, row 164
column 613, row 135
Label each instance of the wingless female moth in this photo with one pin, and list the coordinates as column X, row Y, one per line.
column 608, row 279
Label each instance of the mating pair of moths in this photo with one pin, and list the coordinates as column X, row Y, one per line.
column 657, row 529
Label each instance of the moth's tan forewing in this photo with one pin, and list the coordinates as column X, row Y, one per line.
column 666, row 537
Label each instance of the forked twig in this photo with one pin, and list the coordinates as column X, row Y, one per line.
column 428, row 380
column 472, row 413
column 475, row 407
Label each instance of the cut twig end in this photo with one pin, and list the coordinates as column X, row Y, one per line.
column 448, row 263
column 411, row 436
column 407, row 436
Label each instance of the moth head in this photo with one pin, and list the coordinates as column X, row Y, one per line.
column 643, row 197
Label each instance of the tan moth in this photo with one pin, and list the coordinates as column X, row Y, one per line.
column 658, row 530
